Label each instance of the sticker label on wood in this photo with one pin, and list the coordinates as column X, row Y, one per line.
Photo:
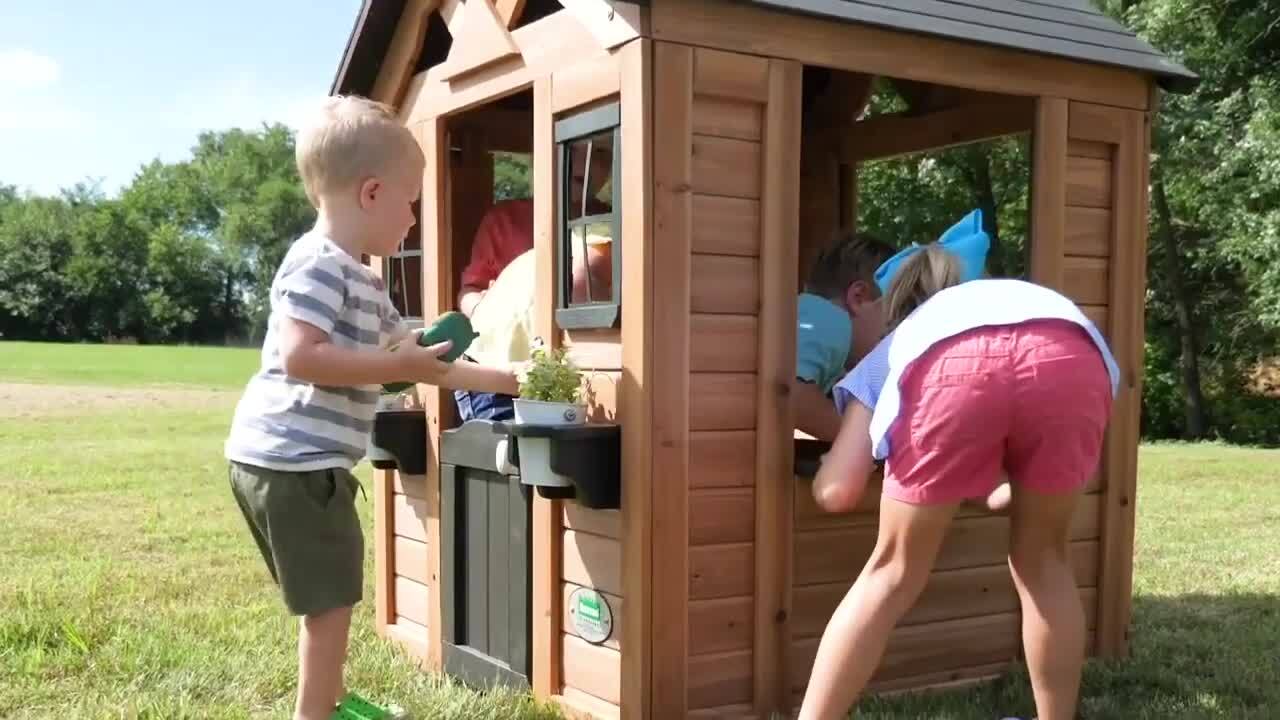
column 592, row 617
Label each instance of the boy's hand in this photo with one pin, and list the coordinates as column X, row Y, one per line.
column 423, row 364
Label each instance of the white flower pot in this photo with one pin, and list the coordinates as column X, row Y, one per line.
column 538, row 412
column 535, row 453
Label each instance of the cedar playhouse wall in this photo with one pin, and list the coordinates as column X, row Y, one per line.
column 719, row 568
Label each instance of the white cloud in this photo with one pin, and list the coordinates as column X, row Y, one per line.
column 25, row 70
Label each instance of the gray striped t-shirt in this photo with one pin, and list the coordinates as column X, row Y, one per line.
column 288, row 424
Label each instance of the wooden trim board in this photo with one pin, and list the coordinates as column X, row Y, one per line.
column 775, row 426
column 670, row 298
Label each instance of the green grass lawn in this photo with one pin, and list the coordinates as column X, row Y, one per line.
column 127, row 366
column 129, row 587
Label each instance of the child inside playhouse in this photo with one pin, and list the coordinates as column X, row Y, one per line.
column 304, row 419
column 840, row 319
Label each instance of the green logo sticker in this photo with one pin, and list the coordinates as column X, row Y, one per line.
column 592, row 617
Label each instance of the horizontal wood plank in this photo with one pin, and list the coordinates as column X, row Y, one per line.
column 605, row 523
column 1088, row 232
column 617, row 606
column 723, row 343
column 413, row 637
column 720, row 626
column 1087, row 149
column 721, row 571
column 886, row 136
column 1086, row 280
column 719, row 516
column 1099, row 315
column 594, row 349
column 722, row 401
column 730, row 75
column 722, row 458
column 725, row 285
column 592, row 561
column 726, row 167
column 808, row 516
column 409, row 517
column 1088, row 182
column 411, row 485
column 718, row 117
column 578, row 705
column 726, row 226
column 824, row 556
column 412, row 601
column 578, row 84
column 1096, row 123
column 411, row 559
column 601, row 395
column 950, row 594
column 593, row 669
column 721, row 679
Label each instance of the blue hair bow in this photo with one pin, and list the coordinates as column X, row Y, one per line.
column 966, row 240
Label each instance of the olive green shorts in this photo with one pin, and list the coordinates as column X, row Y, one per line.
column 306, row 526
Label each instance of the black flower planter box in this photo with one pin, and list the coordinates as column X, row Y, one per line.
column 589, row 455
column 403, row 435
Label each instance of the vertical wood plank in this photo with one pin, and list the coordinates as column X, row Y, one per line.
column 779, row 256
column 1128, row 275
column 437, row 245
column 672, row 218
column 384, row 546
column 546, row 533
column 1048, row 192
column 635, row 394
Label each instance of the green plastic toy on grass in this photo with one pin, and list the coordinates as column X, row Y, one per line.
column 453, row 326
column 354, row 707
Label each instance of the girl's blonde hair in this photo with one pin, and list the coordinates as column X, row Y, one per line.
column 922, row 276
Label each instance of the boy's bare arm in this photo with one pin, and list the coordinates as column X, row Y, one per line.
column 814, row 412
column 308, row 355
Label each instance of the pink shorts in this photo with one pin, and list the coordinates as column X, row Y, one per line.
column 1033, row 399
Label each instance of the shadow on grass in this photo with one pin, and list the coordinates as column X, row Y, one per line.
column 1192, row 656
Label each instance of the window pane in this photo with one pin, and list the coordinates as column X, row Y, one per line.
column 589, row 182
column 591, row 248
column 413, row 240
column 404, row 285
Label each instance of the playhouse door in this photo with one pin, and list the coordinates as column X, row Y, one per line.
column 485, row 558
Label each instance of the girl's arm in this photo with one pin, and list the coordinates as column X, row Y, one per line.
column 843, row 475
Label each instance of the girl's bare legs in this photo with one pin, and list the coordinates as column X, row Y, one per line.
column 892, row 579
column 1052, row 616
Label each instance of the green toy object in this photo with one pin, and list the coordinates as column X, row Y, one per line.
column 354, row 707
column 452, row 325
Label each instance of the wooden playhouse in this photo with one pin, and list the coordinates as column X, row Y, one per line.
column 736, row 139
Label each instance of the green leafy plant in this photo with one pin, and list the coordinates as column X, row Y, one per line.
column 551, row 377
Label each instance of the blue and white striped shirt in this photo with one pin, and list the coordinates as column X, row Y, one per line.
column 283, row 423
column 977, row 303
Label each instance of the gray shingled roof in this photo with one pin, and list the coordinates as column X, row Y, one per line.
column 1072, row 29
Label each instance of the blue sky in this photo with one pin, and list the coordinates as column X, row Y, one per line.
column 93, row 89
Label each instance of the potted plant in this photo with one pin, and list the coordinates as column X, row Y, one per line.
column 551, row 392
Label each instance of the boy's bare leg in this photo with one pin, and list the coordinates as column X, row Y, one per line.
column 322, row 652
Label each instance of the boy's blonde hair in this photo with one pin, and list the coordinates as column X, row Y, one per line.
column 922, row 276
column 852, row 257
column 349, row 139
